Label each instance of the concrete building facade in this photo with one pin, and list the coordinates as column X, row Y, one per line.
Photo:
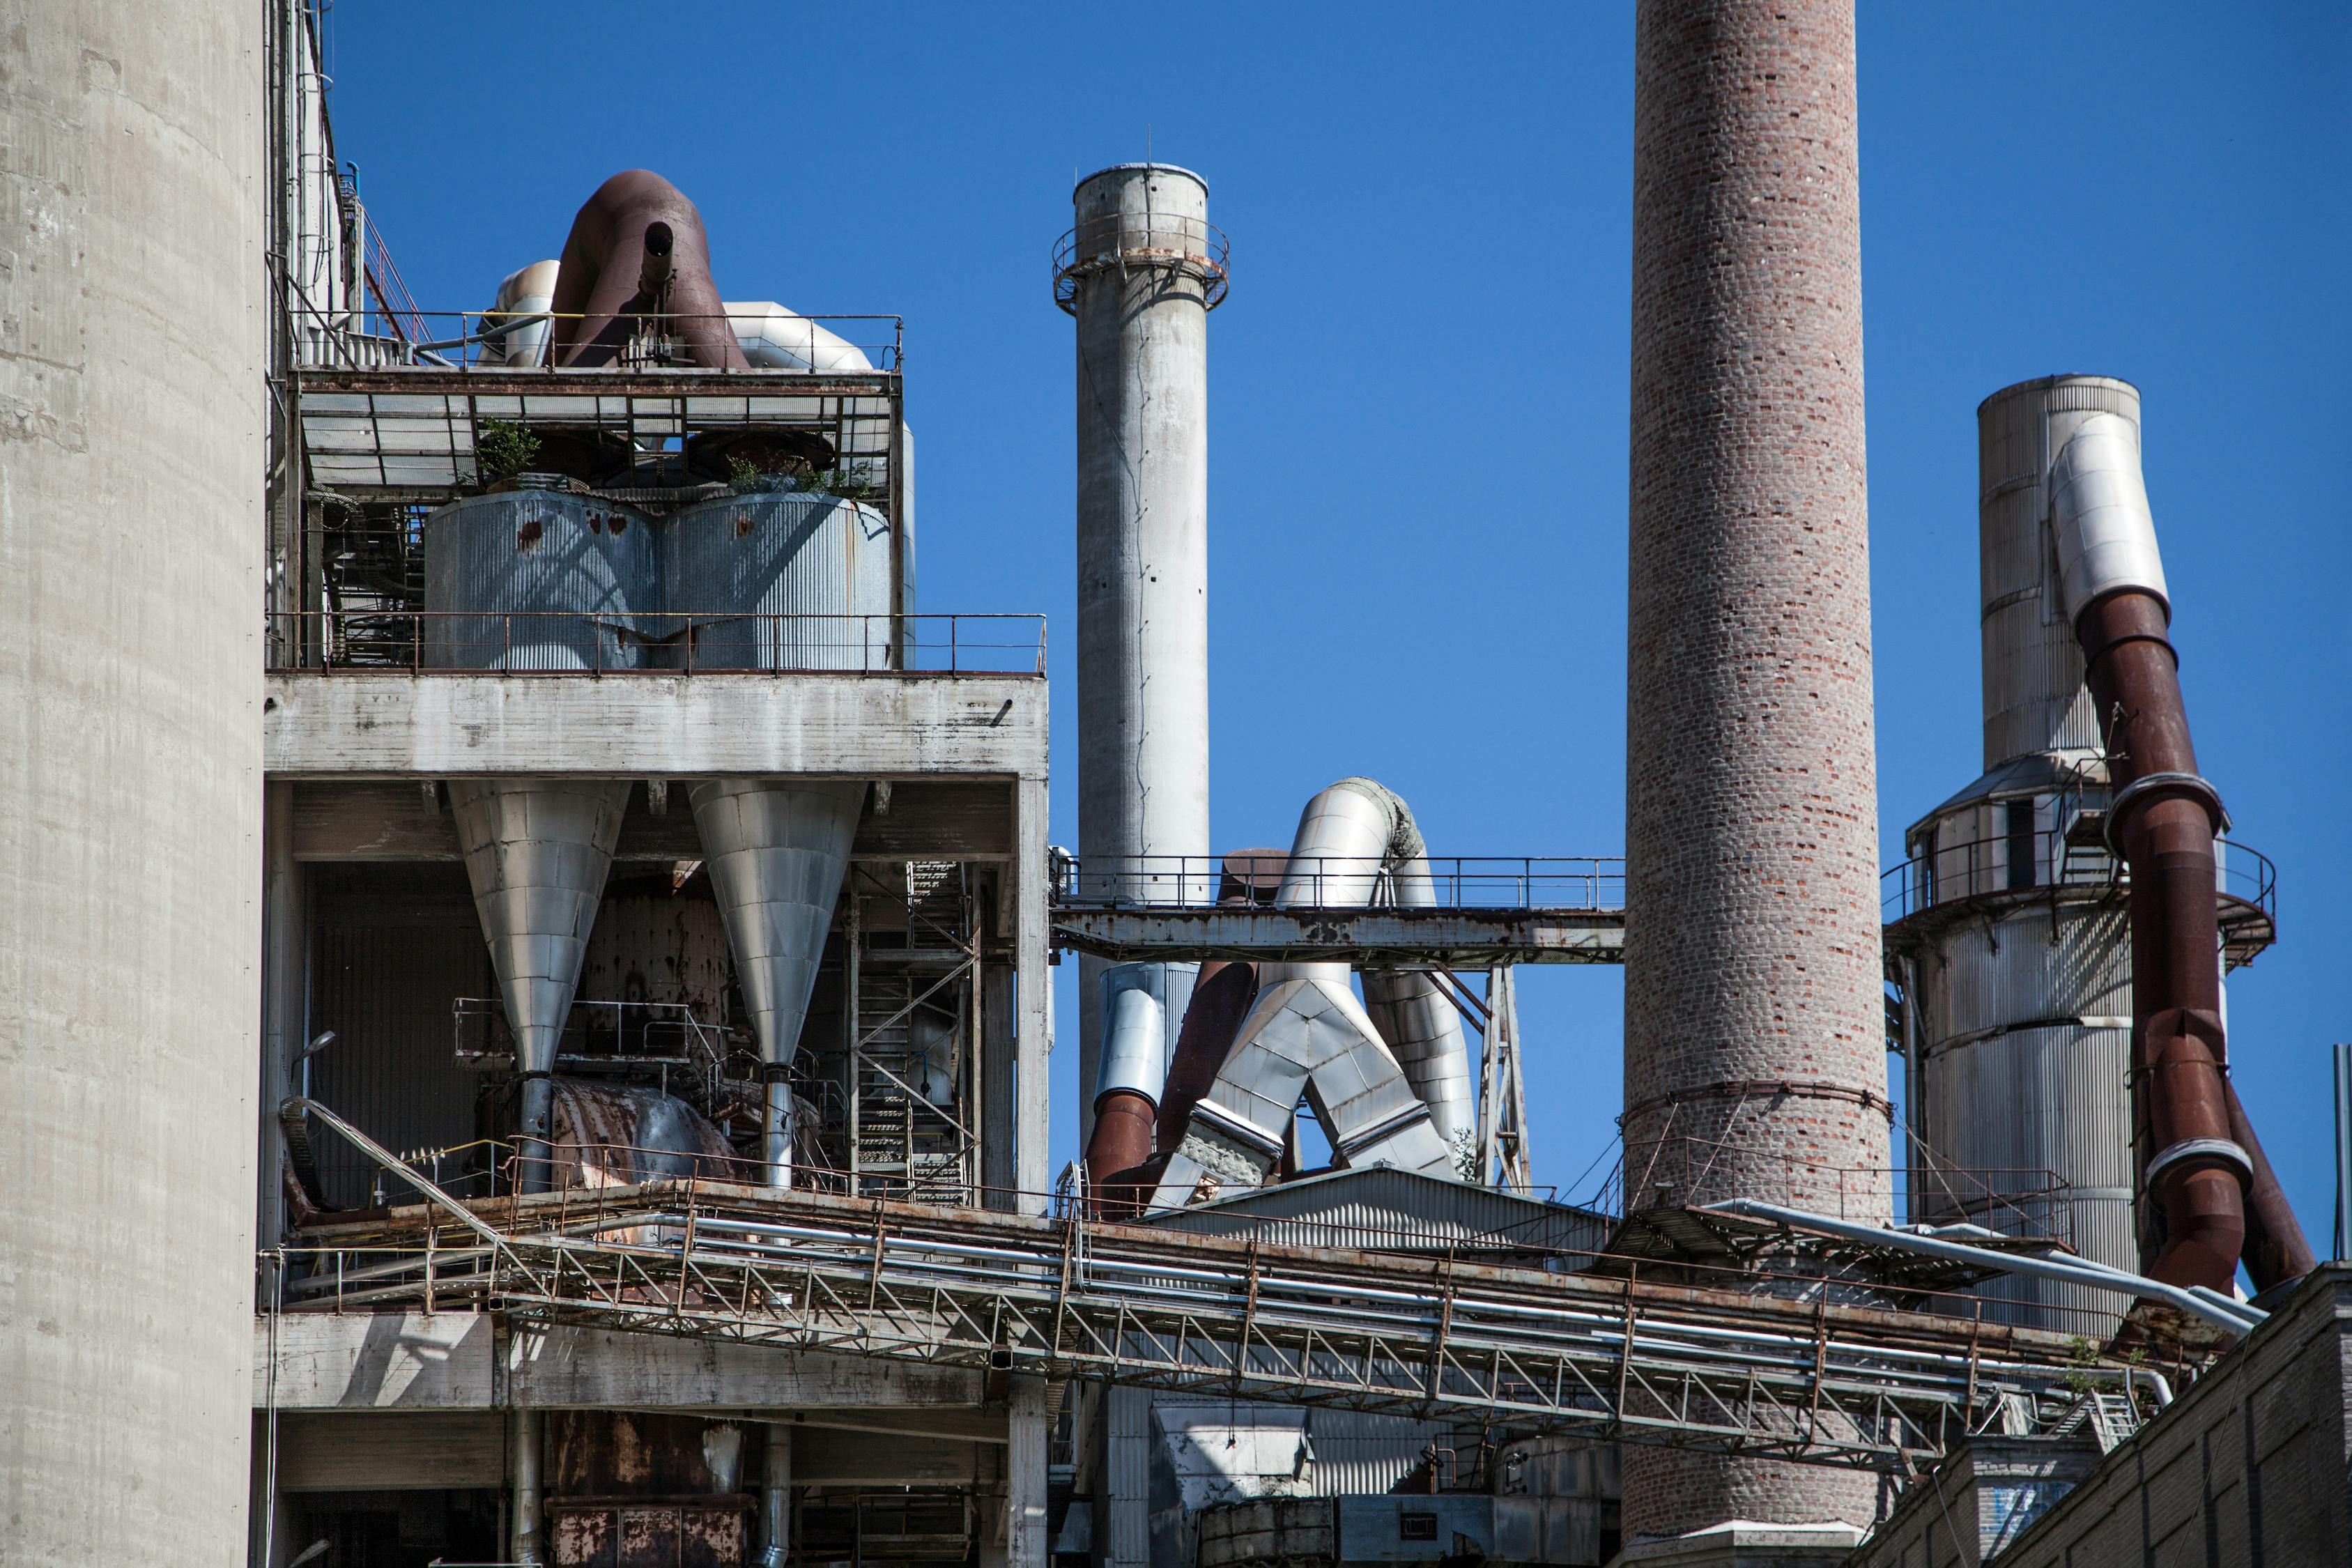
column 1753, row 1037
column 133, row 342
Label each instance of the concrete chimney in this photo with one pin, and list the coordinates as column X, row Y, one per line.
column 1140, row 269
column 1754, row 1021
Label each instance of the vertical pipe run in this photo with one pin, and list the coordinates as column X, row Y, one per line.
column 526, row 1540
column 776, row 1498
column 1140, row 292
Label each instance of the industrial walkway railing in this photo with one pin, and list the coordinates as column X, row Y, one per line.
column 1812, row 1380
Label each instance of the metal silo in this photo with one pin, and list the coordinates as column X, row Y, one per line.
column 779, row 580
column 560, row 580
column 135, row 168
column 2011, row 944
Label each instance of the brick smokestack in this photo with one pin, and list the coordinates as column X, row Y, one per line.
column 1754, row 1023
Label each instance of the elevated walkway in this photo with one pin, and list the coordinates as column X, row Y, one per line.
column 1818, row 1379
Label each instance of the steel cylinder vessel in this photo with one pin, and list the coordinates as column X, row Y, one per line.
column 132, row 366
column 1138, row 279
column 777, row 580
column 1753, row 998
column 538, row 580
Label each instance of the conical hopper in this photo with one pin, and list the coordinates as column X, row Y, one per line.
column 776, row 853
column 536, row 852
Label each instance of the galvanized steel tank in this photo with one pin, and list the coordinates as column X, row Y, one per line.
column 561, row 580
column 778, row 580
column 2015, row 956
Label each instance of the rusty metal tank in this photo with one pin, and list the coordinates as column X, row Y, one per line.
column 537, row 579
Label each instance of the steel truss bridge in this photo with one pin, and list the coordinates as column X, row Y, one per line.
column 1815, row 1380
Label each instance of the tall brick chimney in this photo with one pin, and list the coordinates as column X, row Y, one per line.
column 1753, row 1025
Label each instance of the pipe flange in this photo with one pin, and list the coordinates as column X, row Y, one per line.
column 775, row 1072
column 2161, row 786
column 1349, row 1147
column 1236, row 1128
column 2199, row 1149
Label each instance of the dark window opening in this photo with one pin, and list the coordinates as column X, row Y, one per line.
column 2021, row 844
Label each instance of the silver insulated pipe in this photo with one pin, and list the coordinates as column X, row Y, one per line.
column 1307, row 1034
column 537, row 851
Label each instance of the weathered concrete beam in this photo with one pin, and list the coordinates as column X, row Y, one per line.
column 1462, row 938
column 453, row 1360
column 392, row 725
column 370, row 819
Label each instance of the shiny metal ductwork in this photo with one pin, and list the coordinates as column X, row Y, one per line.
column 776, row 853
column 515, row 327
column 1144, row 1008
column 537, row 852
column 2162, row 819
column 1307, row 1034
column 1353, row 835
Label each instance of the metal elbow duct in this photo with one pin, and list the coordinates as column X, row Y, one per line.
column 515, row 328
column 773, row 337
column 637, row 248
column 1142, row 1003
column 1351, row 836
column 2162, row 819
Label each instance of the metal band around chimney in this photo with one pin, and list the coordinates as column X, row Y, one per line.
column 2199, row 1149
column 1764, row 1089
column 2161, row 786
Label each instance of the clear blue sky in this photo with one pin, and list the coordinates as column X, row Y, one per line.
column 1418, row 387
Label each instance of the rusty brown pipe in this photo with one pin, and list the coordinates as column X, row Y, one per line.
column 1222, row 994
column 2276, row 1249
column 637, row 248
column 2162, row 823
column 1120, row 1142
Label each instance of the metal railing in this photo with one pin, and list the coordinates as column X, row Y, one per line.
column 1684, row 1171
column 497, row 341
column 1992, row 866
column 575, row 642
column 1781, row 1368
column 1447, row 882
column 1142, row 241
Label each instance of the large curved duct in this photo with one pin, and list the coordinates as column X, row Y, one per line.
column 2162, row 820
column 1349, row 836
column 1142, row 1006
column 773, row 337
column 1307, row 1034
column 637, row 248
column 515, row 327
column 537, row 851
column 776, row 852
column 1221, row 996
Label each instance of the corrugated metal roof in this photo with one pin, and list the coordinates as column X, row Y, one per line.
column 1382, row 1208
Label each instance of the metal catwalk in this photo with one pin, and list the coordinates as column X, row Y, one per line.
column 1812, row 1380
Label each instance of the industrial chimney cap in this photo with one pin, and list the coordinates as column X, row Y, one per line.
column 1128, row 168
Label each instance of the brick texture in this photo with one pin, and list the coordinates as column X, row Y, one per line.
column 1753, row 1011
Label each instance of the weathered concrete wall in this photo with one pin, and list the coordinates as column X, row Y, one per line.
column 132, row 340
column 1979, row 1502
column 2251, row 1465
column 1753, row 1011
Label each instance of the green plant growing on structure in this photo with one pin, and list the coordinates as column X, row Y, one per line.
column 855, row 482
column 2082, row 1356
column 743, row 476
column 502, row 449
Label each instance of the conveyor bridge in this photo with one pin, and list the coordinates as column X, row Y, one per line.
column 1814, row 1380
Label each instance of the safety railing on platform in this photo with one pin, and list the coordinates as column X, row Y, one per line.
column 1786, row 1367
column 575, row 642
column 1337, row 882
column 2043, row 861
column 773, row 344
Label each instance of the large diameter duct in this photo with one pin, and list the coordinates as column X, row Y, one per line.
column 133, row 371
column 537, row 852
column 776, row 853
column 638, row 249
column 2161, row 818
column 1307, row 1034
column 1138, row 279
column 1144, row 1006
column 1754, row 1006
column 1223, row 994
column 516, row 328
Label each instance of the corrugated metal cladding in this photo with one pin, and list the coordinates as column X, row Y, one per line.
column 532, row 552
column 393, row 947
column 784, row 554
column 1226, row 1449
column 1384, row 1208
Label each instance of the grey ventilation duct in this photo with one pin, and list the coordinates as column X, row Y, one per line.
column 776, row 853
column 537, row 851
column 1307, row 1034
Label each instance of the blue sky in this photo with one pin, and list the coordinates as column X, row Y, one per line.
column 1417, row 389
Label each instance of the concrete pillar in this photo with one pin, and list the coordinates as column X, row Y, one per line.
column 1139, row 279
column 133, row 343
column 284, row 996
column 1035, row 999
column 776, row 1498
column 526, row 1498
column 1754, row 1019
column 1028, row 1429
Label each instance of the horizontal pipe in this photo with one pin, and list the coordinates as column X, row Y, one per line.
column 2204, row 1306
